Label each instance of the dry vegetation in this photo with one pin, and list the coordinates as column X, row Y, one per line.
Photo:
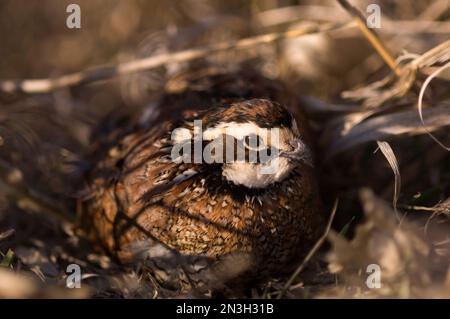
column 382, row 132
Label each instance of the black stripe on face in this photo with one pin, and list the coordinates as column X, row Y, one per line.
column 232, row 149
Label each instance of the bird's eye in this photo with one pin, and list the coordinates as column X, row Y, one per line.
column 254, row 142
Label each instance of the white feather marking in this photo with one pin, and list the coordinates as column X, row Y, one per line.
column 241, row 130
column 252, row 176
column 185, row 175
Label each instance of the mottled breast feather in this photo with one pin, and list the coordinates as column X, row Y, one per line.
column 136, row 195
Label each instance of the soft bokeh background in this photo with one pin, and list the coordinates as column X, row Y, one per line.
column 43, row 135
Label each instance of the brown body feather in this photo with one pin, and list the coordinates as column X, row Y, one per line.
column 134, row 193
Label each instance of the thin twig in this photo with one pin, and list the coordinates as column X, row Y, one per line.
column 371, row 36
column 311, row 253
column 433, row 12
column 417, row 208
column 292, row 14
column 106, row 72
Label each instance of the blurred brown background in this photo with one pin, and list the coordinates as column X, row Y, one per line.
column 43, row 136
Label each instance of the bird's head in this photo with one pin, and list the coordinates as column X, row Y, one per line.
column 254, row 142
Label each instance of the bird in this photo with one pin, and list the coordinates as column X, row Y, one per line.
column 227, row 220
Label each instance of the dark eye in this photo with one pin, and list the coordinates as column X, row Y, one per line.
column 254, row 142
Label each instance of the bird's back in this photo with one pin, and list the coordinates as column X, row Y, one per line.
column 136, row 194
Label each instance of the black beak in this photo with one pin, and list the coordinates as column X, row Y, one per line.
column 300, row 153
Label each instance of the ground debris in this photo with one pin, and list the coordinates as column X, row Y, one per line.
column 408, row 264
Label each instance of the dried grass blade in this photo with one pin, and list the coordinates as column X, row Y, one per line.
column 387, row 151
column 420, row 102
column 384, row 126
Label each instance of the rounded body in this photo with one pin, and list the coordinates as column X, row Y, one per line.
column 136, row 193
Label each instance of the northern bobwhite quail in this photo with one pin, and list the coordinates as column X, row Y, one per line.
column 200, row 213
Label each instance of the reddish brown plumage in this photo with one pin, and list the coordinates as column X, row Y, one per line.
column 132, row 196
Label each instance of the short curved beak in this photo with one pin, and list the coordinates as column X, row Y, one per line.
column 300, row 153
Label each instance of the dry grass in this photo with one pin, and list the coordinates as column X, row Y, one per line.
column 355, row 101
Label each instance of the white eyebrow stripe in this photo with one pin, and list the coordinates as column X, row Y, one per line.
column 276, row 136
column 237, row 130
column 240, row 130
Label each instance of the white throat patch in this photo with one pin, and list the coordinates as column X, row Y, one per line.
column 253, row 175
